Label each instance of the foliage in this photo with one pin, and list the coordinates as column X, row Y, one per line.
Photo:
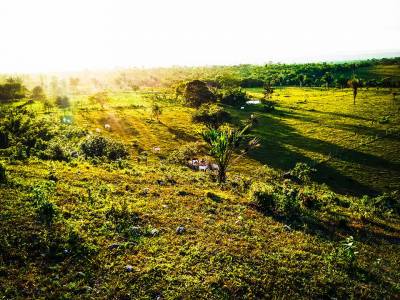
column 38, row 93
column 302, row 171
column 11, row 90
column 197, row 93
column 63, row 102
column 3, row 177
column 186, row 152
column 223, row 144
column 233, row 97
column 98, row 146
column 211, row 116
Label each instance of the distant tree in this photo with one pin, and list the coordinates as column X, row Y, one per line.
column 301, row 78
column 354, row 83
column 233, row 97
column 63, row 102
column 211, row 116
column 156, row 110
column 223, row 144
column 12, row 89
column 38, row 94
column 327, row 78
column 197, row 93
column 342, row 81
column 47, row 105
column 101, row 98
column 74, row 83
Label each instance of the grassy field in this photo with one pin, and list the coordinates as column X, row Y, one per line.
column 115, row 236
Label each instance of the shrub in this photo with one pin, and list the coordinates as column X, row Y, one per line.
column 56, row 151
column 302, row 171
column 98, row 146
column 211, row 116
column 196, row 93
column 3, row 177
column 287, row 201
column 264, row 195
column 46, row 212
column 233, row 97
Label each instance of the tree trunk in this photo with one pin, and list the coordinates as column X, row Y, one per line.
column 221, row 175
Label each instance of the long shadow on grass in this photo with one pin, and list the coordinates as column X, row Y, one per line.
column 281, row 147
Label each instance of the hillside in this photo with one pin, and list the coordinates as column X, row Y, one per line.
column 147, row 226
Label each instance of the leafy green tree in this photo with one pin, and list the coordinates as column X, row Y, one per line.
column 63, row 102
column 327, row 78
column 301, row 78
column 233, row 97
column 211, row 116
column 197, row 93
column 38, row 94
column 223, row 144
column 11, row 90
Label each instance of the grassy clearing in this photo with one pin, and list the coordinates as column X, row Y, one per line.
column 114, row 234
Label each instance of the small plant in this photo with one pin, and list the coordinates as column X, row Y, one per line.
column 302, row 171
column 347, row 252
column 46, row 212
column 263, row 195
column 214, row 197
column 156, row 111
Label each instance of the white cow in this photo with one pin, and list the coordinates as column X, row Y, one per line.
column 107, row 126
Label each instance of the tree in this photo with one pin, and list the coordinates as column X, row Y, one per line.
column 38, row 94
column 301, row 78
column 74, row 82
column 354, row 83
column 327, row 78
column 223, row 144
column 62, row 102
column 268, row 90
column 196, row 93
column 211, row 116
column 100, row 98
column 47, row 105
column 11, row 90
column 156, row 111
column 342, row 81
column 233, row 97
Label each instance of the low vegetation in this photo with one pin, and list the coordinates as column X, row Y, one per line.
column 181, row 189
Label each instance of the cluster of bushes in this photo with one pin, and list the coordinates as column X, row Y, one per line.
column 387, row 203
column 98, row 146
column 212, row 116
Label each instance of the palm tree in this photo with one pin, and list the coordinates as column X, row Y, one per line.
column 223, row 144
column 354, row 83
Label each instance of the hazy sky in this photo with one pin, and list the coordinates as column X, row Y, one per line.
column 64, row 35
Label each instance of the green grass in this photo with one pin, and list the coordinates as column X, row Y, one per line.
column 231, row 249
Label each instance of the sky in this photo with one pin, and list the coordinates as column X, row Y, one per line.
column 73, row 35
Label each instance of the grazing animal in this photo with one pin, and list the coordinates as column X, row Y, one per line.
column 107, row 126
column 98, row 130
column 242, row 107
column 156, row 149
column 203, row 168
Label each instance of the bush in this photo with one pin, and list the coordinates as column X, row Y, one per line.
column 302, row 171
column 197, row 93
column 264, row 195
column 46, row 212
column 56, row 151
column 233, row 97
column 275, row 199
column 98, row 146
column 211, row 116
column 3, row 177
